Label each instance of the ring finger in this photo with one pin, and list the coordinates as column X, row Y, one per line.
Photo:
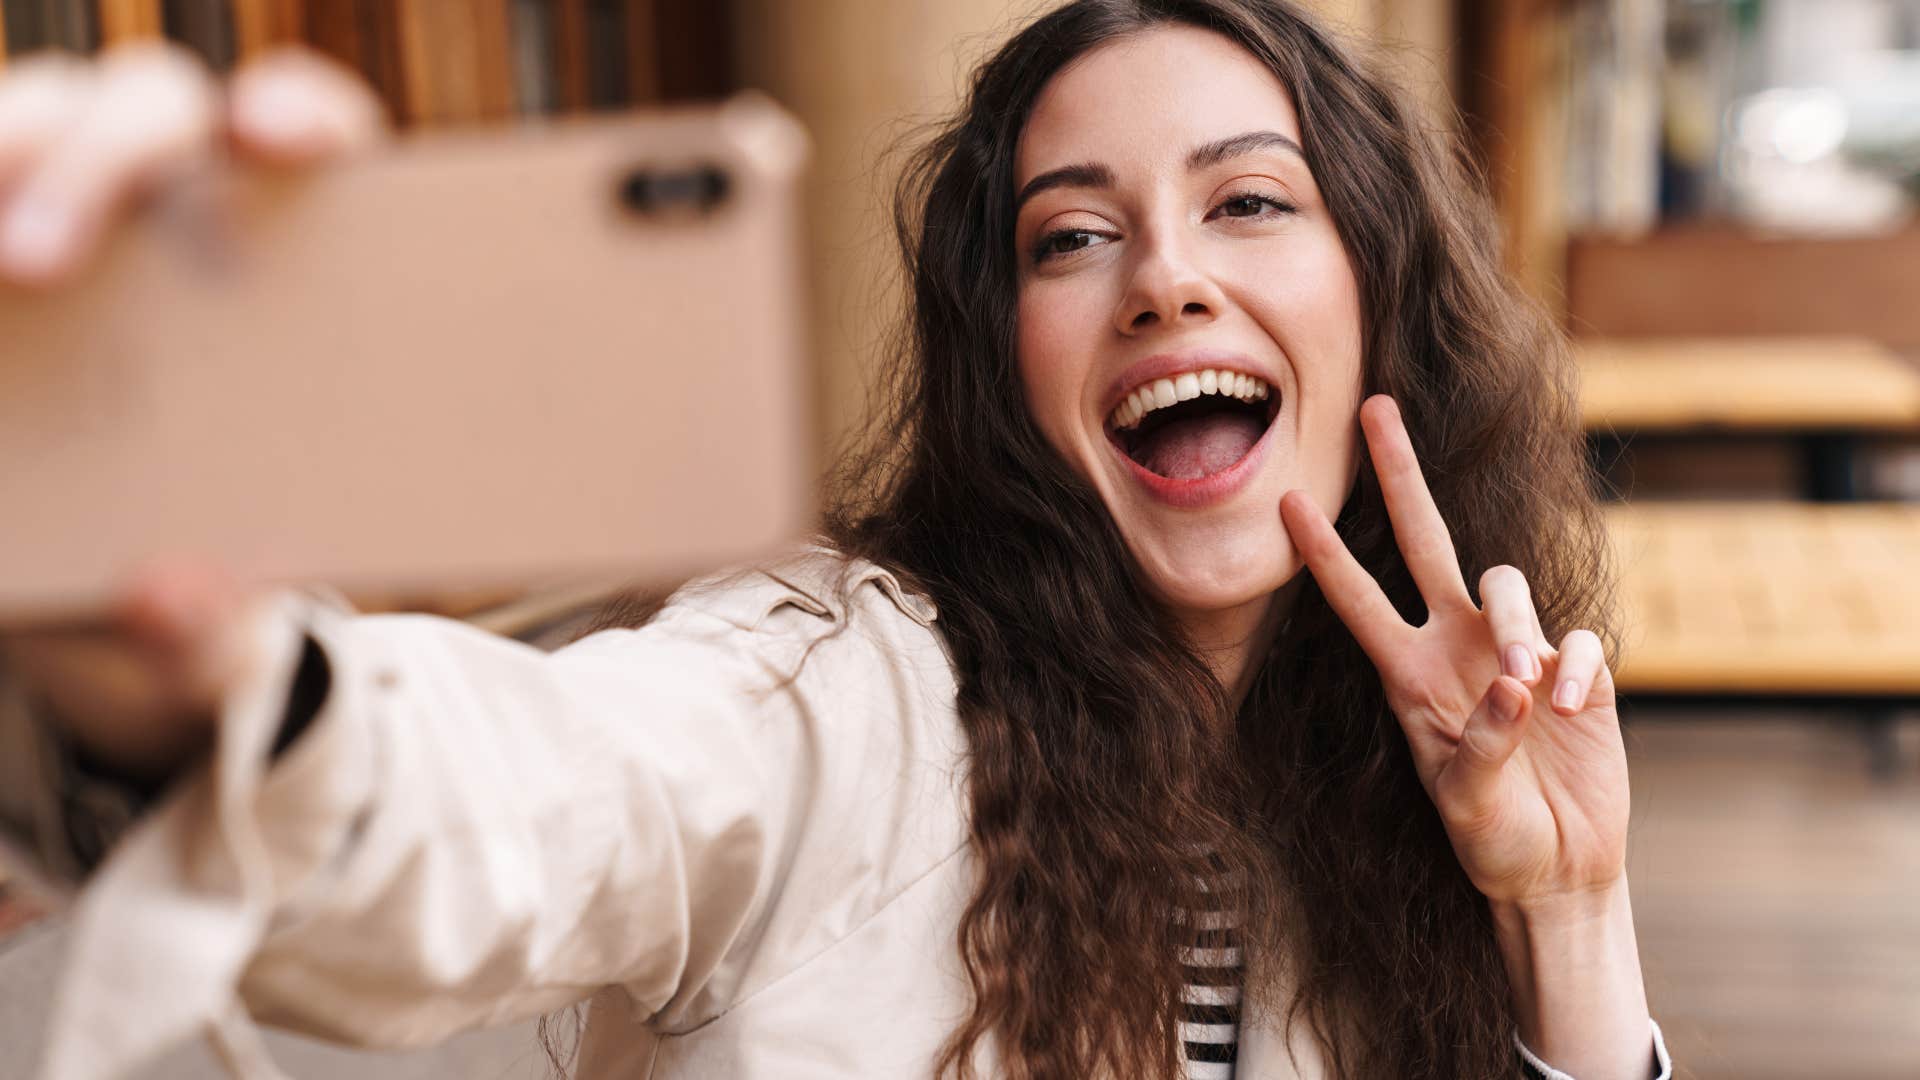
column 1508, row 605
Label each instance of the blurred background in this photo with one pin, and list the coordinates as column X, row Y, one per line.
column 1716, row 198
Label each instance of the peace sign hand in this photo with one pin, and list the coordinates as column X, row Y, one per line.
column 1533, row 794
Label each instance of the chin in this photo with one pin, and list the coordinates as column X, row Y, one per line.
column 1215, row 573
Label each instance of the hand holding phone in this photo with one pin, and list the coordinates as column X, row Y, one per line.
column 81, row 141
column 464, row 360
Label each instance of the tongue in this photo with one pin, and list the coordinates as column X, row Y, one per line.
column 1189, row 448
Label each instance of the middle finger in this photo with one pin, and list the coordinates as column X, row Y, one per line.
column 1422, row 534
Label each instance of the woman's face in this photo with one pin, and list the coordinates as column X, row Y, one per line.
column 1169, row 233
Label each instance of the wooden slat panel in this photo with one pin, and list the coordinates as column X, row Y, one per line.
column 1517, row 100
column 127, row 20
column 206, row 27
column 333, row 27
column 261, row 24
column 1779, row 384
column 362, row 34
column 570, row 55
column 643, row 51
column 1769, row 597
column 455, row 61
column 697, row 62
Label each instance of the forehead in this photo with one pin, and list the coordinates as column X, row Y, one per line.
column 1149, row 97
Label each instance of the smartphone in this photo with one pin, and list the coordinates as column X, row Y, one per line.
column 481, row 359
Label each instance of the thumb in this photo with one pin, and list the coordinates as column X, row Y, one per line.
column 1471, row 781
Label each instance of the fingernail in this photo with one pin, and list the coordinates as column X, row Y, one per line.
column 1567, row 696
column 1519, row 663
column 35, row 236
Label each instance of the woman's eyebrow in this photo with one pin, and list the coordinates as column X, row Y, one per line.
column 1233, row 146
column 1094, row 175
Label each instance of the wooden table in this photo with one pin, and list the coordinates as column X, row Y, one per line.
column 1783, row 600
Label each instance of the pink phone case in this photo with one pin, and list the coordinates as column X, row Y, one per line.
column 475, row 360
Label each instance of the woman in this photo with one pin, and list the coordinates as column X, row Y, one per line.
column 1055, row 764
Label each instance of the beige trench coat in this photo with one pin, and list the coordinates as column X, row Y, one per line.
column 751, row 866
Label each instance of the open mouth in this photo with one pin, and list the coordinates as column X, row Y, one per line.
column 1193, row 425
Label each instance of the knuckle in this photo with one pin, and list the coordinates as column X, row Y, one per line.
column 1480, row 745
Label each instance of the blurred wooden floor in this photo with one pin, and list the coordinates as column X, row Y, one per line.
column 1777, row 894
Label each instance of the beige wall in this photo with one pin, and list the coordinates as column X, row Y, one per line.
column 860, row 73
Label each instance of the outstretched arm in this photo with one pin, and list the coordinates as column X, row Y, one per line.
column 468, row 831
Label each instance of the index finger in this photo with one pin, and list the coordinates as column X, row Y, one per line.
column 1349, row 589
column 1418, row 527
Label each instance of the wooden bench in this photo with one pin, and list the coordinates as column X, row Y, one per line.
column 1812, row 602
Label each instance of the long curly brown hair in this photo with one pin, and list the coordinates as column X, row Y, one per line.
column 1105, row 780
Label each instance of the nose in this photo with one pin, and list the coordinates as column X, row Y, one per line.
column 1166, row 288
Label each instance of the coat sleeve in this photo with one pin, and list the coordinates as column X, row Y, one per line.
column 1533, row 1068
column 468, row 831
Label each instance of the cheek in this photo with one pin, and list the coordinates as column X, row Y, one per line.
column 1331, row 390
column 1310, row 303
column 1050, row 341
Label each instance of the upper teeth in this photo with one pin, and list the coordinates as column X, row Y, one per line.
column 1161, row 393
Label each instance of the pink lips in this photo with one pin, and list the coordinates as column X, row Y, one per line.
column 1214, row 487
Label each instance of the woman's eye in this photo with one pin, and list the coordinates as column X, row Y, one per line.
column 1064, row 242
column 1246, row 206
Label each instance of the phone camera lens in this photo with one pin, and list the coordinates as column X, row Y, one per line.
column 674, row 192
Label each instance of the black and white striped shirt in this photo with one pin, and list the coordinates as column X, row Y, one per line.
column 1210, row 998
